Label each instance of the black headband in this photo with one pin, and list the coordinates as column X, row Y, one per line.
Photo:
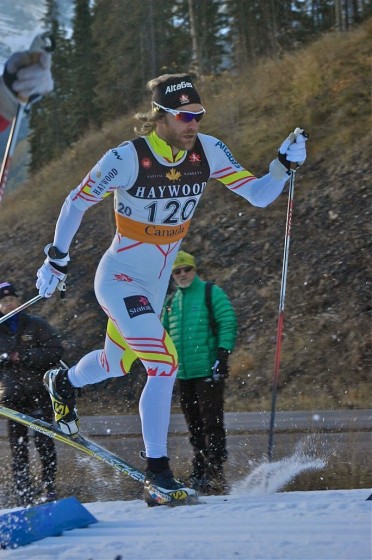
column 175, row 92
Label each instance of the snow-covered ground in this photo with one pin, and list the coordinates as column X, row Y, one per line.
column 253, row 522
column 318, row 525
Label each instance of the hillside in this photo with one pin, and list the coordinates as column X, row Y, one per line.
column 326, row 357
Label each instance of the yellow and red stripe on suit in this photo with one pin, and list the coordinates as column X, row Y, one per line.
column 155, row 197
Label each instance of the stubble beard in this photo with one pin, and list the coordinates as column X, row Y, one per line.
column 180, row 143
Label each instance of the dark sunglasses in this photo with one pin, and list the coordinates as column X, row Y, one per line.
column 184, row 116
column 185, row 269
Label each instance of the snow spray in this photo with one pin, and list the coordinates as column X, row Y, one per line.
column 269, row 477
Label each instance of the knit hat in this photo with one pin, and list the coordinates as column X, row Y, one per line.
column 175, row 92
column 184, row 259
column 7, row 289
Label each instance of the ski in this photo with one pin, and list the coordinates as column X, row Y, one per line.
column 85, row 445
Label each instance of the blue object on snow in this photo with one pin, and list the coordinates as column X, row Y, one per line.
column 25, row 526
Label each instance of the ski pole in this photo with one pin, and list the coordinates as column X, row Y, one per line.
column 20, row 308
column 61, row 287
column 43, row 41
column 283, row 285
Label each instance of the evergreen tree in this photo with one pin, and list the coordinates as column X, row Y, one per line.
column 135, row 42
column 171, row 39
column 82, row 103
column 101, row 72
column 206, row 22
column 118, row 59
column 267, row 28
column 50, row 120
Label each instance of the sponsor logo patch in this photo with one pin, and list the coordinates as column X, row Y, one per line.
column 138, row 305
column 229, row 155
column 60, row 409
column 175, row 87
column 179, row 494
column 116, row 154
column 146, row 162
column 123, row 277
column 194, row 158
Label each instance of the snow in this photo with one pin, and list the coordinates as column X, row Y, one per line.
column 317, row 525
column 253, row 522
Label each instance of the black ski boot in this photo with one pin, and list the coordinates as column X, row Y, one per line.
column 62, row 395
column 161, row 488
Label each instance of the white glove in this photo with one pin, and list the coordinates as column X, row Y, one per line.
column 291, row 154
column 53, row 273
column 28, row 74
column 294, row 148
column 27, row 77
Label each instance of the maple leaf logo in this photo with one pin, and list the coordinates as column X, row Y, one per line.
column 173, row 175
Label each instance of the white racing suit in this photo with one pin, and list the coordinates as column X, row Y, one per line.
column 155, row 198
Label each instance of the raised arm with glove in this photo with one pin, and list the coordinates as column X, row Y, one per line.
column 291, row 154
column 24, row 79
column 27, row 77
column 52, row 274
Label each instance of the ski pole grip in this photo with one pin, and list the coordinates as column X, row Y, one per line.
column 62, row 288
column 299, row 131
column 43, row 42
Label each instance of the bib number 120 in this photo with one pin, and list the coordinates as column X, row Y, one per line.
column 176, row 211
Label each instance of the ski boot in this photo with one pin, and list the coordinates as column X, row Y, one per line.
column 62, row 395
column 161, row 488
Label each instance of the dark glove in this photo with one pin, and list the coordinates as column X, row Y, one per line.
column 220, row 369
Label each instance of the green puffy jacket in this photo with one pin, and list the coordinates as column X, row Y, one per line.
column 186, row 318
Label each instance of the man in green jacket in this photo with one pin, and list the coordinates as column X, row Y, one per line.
column 202, row 324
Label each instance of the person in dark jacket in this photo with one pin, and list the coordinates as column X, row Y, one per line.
column 28, row 345
column 204, row 329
